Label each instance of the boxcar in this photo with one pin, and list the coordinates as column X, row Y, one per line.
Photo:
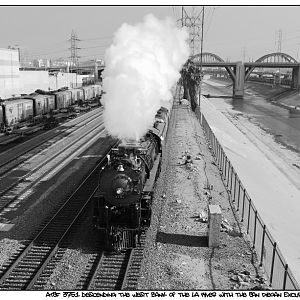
column 1, row 118
column 97, row 90
column 63, row 99
column 17, row 110
column 88, row 92
column 42, row 104
column 77, row 94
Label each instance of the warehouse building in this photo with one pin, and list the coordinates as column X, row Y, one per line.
column 14, row 82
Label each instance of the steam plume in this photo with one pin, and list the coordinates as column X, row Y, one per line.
column 142, row 65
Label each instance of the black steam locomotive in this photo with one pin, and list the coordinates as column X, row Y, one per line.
column 123, row 200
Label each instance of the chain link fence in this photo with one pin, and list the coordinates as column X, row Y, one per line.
column 268, row 253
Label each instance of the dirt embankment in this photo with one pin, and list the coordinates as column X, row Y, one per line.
column 177, row 255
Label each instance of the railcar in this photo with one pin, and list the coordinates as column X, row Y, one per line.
column 123, row 200
column 42, row 104
column 76, row 95
column 88, row 92
column 97, row 90
column 16, row 111
column 63, row 99
column 2, row 126
column 35, row 106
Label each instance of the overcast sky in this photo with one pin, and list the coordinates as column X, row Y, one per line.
column 229, row 31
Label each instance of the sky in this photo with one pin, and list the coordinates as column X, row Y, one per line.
column 232, row 32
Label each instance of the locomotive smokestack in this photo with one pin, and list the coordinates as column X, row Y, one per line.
column 142, row 65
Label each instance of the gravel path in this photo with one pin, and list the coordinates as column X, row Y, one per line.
column 178, row 256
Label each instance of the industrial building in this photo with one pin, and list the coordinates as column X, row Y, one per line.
column 14, row 82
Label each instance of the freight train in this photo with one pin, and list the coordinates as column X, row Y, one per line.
column 34, row 106
column 123, row 199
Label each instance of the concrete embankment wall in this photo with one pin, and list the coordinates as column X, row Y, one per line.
column 269, row 192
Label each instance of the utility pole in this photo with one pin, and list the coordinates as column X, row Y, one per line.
column 74, row 52
column 201, row 60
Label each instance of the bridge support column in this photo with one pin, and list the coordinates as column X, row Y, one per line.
column 296, row 78
column 239, row 82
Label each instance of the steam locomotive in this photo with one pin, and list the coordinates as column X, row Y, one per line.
column 123, row 200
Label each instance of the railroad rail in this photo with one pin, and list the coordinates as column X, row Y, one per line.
column 115, row 270
column 25, row 272
column 23, row 184
column 9, row 163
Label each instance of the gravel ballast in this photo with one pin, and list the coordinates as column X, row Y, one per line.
column 178, row 256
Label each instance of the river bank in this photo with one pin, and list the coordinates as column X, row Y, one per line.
column 262, row 106
column 286, row 158
column 278, row 95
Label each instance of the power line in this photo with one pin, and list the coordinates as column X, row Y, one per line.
column 97, row 39
column 211, row 17
column 175, row 13
column 98, row 46
column 46, row 53
column 82, row 56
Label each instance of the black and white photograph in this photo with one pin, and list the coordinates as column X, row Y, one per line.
column 149, row 151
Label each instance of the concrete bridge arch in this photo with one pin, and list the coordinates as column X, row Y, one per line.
column 276, row 57
column 208, row 57
column 240, row 71
column 235, row 70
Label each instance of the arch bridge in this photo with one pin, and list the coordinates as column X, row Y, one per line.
column 239, row 72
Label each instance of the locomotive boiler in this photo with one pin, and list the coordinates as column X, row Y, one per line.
column 123, row 200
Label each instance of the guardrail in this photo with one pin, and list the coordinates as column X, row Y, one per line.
column 268, row 253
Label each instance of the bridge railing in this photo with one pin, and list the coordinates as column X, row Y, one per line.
column 267, row 251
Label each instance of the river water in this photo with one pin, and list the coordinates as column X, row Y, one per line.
column 280, row 122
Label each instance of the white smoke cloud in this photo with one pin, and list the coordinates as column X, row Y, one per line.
column 142, row 65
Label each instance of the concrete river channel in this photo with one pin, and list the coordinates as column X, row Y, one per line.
column 283, row 124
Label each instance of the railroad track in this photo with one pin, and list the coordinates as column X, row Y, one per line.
column 27, row 152
column 114, row 270
column 29, row 270
column 20, row 187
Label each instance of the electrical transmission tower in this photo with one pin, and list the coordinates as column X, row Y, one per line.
column 193, row 20
column 74, row 50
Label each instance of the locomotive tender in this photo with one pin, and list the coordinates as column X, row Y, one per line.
column 122, row 202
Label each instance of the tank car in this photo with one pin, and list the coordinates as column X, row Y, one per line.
column 123, row 200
